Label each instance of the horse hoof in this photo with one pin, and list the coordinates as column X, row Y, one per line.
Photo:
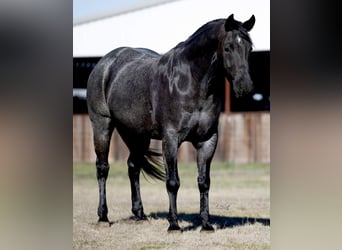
column 207, row 229
column 104, row 223
column 139, row 218
column 103, row 219
column 174, row 229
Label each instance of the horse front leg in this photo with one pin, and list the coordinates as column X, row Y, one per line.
column 205, row 153
column 170, row 149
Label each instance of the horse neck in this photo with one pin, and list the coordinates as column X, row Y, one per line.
column 205, row 60
column 203, row 52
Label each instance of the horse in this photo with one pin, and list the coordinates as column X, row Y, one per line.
column 173, row 97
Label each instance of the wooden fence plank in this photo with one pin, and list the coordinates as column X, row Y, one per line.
column 243, row 138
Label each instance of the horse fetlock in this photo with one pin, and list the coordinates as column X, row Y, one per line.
column 103, row 218
column 139, row 213
column 102, row 212
column 173, row 221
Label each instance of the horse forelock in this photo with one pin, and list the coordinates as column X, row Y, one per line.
column 244, row 34
column 239, row 32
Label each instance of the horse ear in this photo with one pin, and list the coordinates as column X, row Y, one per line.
column 230, row 23
column 248, row 25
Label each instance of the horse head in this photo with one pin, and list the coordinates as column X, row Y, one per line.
column 236, row 46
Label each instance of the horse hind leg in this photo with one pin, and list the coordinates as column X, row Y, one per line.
column 134, row 163
column 102, row 128
column 140, row 158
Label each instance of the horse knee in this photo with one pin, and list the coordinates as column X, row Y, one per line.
column 172, row 185
column 102, row 170
column 203, row 184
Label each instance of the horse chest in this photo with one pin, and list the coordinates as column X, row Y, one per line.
column 197, row 125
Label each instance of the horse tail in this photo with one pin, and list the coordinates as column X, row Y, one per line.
column 154, row 166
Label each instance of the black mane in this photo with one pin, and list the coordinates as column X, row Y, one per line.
column 212, row 30
column 208, row 28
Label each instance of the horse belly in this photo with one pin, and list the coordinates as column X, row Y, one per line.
column 130, row 106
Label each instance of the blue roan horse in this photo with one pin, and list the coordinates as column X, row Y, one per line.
column 174, row 97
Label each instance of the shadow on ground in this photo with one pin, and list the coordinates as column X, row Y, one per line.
column 221, row 222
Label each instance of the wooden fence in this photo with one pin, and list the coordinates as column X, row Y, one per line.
column 243, row 138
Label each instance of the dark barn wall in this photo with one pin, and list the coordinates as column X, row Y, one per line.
column 244, row 123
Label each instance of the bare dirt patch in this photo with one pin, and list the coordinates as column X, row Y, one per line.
column 239, row 208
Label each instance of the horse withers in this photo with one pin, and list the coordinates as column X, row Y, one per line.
column 174, row 97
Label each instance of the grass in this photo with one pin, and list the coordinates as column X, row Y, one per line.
column 239, row 208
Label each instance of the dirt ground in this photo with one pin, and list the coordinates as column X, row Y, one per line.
column 239, row 207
